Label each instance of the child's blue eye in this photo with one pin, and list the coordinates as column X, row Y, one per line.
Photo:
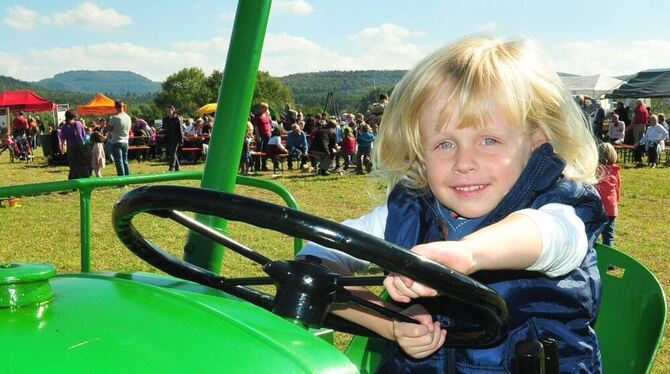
column 445, row 145
column 490, row 141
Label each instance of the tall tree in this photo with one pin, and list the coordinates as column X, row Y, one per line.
column 271, row 90
column 213, row 84
column 186, row 89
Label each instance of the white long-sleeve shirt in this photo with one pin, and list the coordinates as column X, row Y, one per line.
column 655, row 134
column 563, row 234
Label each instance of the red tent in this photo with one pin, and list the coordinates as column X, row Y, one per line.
column 25, row 100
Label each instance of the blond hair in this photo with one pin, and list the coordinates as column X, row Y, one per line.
column 607, row 154
column 479, row 77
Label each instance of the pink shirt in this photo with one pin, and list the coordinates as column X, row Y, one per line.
column 349, row 145
column 262, row 124
column 641, row 114
column 609, row 188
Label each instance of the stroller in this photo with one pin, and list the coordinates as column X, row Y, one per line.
column 19, row 148
column 53, row 151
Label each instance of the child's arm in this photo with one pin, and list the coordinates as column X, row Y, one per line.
column 417, row 340
column 551, row 240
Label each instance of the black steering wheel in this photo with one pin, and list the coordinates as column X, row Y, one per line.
column 305, row 288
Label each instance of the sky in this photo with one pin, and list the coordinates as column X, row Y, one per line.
column 40, row 38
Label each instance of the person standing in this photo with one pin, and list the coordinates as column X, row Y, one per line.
column 73, row 133
column 622, row 112
column 119, row 132
column 597, row 120
column 640, row 119
column 19, row 125
column 98, row 152
column 324, row 146
column 262, row 128
column 290, row 117
column 174, row 137
column 609, row 188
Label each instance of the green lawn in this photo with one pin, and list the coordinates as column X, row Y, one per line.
column 46, row 228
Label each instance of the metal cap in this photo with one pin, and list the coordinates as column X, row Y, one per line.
column 23, row 284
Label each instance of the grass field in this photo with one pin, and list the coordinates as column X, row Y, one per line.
column 46, row 228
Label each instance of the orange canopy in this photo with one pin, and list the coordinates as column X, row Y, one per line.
column 100, row 104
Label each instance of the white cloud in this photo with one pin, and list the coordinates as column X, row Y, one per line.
column 384, row 47
column 156, row 64
column 21, row 18
column 486, row 28
column 89, row 16
column 387, row 33
column 597, row 56
column 11, row 65
column 294, row 7
column 285, row 54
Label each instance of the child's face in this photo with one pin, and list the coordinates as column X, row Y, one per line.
column 470, row 170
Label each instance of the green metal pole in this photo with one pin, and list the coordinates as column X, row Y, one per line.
column 225, row 147
column 85, row 228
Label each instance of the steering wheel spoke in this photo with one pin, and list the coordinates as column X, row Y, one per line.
column 212, row 234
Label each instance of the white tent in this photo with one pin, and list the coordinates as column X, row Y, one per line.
column 594, row 86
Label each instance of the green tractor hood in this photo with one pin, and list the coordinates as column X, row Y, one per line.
column 144, row 323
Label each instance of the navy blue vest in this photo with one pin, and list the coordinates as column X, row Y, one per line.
column 563, row 308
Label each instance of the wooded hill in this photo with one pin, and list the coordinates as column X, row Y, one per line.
column 124, row 83
column 58, row 96
column 310, row 90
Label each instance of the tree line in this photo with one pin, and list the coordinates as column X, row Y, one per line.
column 190, row 88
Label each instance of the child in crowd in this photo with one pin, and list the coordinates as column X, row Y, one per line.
column 348, row 148
column 98, row 152
column 609, row 188
column 245, row 160
column 490, row 166
column 364, row 141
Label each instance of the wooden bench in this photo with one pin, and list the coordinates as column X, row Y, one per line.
column 624, row 152
column 197, row 150
column 140, row 149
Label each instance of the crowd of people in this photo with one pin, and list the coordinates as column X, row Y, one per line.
column 321, row 143
column 88, row 147
column 647, row 133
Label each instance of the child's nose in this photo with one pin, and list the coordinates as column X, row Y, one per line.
column 465, row 161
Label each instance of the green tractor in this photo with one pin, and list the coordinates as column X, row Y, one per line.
column 196, row 320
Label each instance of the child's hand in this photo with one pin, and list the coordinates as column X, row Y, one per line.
column 403, row 289
column 455, row 255
column 419, row 340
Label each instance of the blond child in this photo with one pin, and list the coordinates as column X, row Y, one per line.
column 98, row 152
column 245, row 158
column 490, row 166
column 609, row 188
